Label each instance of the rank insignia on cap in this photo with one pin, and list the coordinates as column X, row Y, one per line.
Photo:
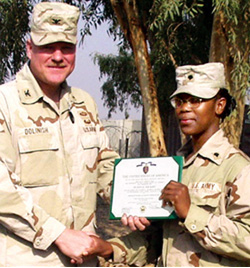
column 56, row 21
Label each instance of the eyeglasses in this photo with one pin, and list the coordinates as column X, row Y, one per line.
column 193, row 102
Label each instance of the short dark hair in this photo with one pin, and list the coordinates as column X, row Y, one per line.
column 231, row 102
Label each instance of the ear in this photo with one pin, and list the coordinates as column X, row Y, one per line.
column 220, row 105
column 28, row 48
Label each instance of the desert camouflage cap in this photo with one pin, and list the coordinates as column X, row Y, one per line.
column 202, row 81
column 54, row 22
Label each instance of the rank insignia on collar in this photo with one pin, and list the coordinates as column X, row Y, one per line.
column 27, row 93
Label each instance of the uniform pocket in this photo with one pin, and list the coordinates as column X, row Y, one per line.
column 40, row 162
column 90, row 145
column 89, row 141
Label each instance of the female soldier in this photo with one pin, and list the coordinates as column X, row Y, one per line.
column 213, row 199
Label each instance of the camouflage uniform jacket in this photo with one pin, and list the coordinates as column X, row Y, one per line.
column 53, row 161
column 216, row 231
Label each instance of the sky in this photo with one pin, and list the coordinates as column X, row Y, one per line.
column 86, row 74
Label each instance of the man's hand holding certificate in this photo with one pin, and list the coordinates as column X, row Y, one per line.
column 138, row 183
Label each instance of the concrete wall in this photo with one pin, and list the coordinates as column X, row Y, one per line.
column 124, row 136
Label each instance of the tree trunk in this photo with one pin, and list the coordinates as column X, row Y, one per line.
column 128, row 18
column 221, row 50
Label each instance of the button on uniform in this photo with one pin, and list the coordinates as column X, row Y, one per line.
column 193, row 227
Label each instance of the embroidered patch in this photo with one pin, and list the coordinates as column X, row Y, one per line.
column 204, row 189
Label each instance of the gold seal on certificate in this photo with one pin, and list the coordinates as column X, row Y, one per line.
column 138, row 183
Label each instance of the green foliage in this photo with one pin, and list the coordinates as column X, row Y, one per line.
column 94, row 13
column 237, row 16
column 14, row 17
column 180, row 33
column 165, row 11
column 121, row 87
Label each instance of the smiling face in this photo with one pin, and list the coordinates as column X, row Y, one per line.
column 51, row 64
column 200, row 122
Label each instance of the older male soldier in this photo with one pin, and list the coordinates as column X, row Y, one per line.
column 54, row 154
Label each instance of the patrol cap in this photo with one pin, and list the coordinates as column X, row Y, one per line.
column 54, row 22
column 203, row 81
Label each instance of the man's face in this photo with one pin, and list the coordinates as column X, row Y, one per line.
column 51, row 64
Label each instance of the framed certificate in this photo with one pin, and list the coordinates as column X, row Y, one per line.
column 137, row 185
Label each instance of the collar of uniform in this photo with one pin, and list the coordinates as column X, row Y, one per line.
column 69, row 97
column 66, row 98
column 215, row 149
column 76, row 96
column 29, row 90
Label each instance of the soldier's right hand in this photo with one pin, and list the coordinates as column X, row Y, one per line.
column 135, row 223
column 73, row 243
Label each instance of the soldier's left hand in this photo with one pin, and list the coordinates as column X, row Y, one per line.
column 176, row 194
column 134, row 222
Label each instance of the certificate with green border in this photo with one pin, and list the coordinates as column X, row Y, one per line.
column 137, row 185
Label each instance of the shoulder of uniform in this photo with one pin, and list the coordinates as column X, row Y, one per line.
column 7, row 90
column 244, row 155
column 235, row 162
column 239, row 155
column 8, row 85
column 81, row 95
column 82, row 98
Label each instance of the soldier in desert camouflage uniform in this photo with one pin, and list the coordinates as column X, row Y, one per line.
column 54, row 153
column 213, row 200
